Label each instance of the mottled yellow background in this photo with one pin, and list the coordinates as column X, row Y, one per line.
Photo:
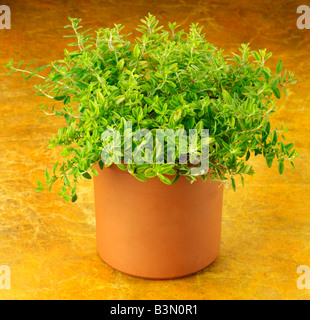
column 50, row 245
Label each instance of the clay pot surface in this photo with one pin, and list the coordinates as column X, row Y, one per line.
column 156, row 231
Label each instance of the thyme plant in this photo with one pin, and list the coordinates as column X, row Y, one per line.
column 165, row 79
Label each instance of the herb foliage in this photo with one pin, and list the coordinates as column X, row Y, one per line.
column 166, row 79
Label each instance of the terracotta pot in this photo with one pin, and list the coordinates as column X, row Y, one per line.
column 152, row 230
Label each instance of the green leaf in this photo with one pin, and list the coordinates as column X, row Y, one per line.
column 55, row 167
column 141, row 177
column 81, row 85
column 136, row 51
column 120, row 65
column 274, row 137
column 279, row 66
column 268, row 56
column 20, row 63
column 67, row 100
column 59, row 98
column 74, row 198
column 66, row 181
column 267, row 128
column 269, row 162
column 57, row 78
column 119, row 99
column 121, row 166
column 164, row 179
column 289, row 146
column 46, row 175
column 281, row 167
column 276, row 92
column 67, row 118
column 242, row 181
column 86, row 175
column 42, row 68
column 256, row 56
column 29, row 77
column 150, row 173
column 175, row 179
column 270, row 155
column 266, row 75
column 248, row 154
column 227, row 97
column 233, row 183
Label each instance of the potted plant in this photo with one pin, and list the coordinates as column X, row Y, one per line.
column 134, row 112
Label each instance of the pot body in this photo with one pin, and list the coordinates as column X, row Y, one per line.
column 153, row 230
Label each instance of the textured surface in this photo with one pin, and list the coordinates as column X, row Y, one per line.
column 50, row 245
